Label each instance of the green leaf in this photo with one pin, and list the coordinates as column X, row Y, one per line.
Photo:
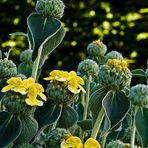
column 2, row 84
column 85, row 124
column 138, row 72
column 95, row 88
column 95, row 102
column 47, row 114
column 106, row 126
column 116, row 106
column 68, row 117
column 45, row 34
column 80, row 110
column 29, row 129
column 19, row 34
column 25, row 68
column 142, row 125
column 10, row 128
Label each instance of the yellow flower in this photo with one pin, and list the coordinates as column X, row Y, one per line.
column 70, row 80
column 34, row 91
column 118, row 65
column 15, row 84
column 27, row 82
column 75, row 142
column 26, row 87
column 97, row 42
column 58, row 75
column 91, row 143
column 75, row 82
column 72, row 142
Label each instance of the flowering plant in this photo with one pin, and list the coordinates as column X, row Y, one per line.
column 92, row 108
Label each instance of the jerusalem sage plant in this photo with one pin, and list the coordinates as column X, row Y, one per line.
column 95, row 107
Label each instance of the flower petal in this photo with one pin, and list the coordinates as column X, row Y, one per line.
column 33, row 102
column 14, row 81
column 42, row 96
column 55, row 73
column 39, row 87
column 82, row 88
column 91, row 143
column 61, row 79
column 7, row 88
column 27, row 82
column 72, row 74
column 80, row 80
column 21, row 90
column 49, row 78
column 73, row 89
column 72, row 142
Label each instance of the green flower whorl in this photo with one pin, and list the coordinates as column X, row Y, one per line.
column 138, row 95
column 88, row 68
column 26, row 56
column 54, row 137
column 15, row 104
column 96, row 49
column 50, row 8
column 7, row 69
column 113, row 55
column 114, row 74
column 59, row 94
column 127, row 135
column 116, row 144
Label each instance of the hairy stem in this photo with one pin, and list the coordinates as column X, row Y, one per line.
column 133, row 134
column 54, row 125
column 36, row 64
column 87, row 97
column 104, row 140
column 98, row 124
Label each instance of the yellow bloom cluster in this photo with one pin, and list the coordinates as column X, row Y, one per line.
column 70, row 79
column 26, row 87
column 75, row 142
column 97, row 42
column 117, row 65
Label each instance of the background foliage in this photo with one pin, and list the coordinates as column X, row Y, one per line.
column 121, row 25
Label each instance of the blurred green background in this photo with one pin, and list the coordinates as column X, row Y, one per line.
column 121, row 24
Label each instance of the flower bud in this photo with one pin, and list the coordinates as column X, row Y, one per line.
column 96, row 49
column 116, row 144
column 88, row 68
column 127, row 135
column 54, row 137
column 15, row 104
column 7, row 69
column 113, row 55
column 114, row 74
column 59, row 94
column 26, row 56
column 138, row 95
column 50, row 8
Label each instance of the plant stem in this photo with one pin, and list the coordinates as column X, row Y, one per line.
column 54, row 125
column 133, row 134
column 98, row 123
column 36, row 64
column 104, row 140
column 87, row 97
column 82, row 98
